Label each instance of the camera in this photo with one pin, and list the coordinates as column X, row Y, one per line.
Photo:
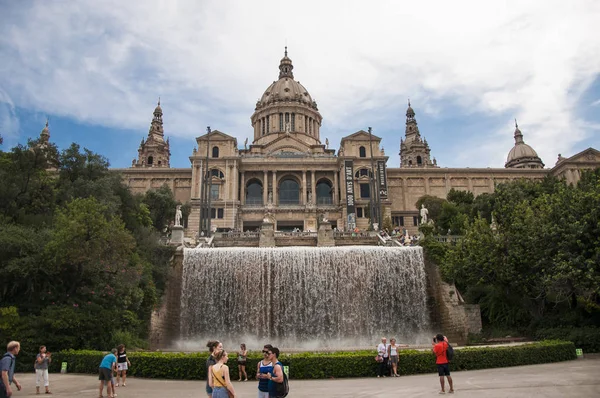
column 434, row 340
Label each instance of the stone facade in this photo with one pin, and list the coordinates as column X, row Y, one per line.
column 289, row 172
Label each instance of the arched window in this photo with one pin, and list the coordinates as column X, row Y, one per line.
column 150, row 160
column 254, row 192
column 289, row 192
column 363, row 173
column 324, row 192
column 410, row 162
column 362, row 152
column 419, row 160
column 215, row 152
column 217, row 173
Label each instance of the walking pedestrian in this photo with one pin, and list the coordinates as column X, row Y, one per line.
column 42, row 360
column 218, row 377
column 440, row 348
column 7, row 369
column 242, row 358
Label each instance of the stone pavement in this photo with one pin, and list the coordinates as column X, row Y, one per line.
column 571, row 379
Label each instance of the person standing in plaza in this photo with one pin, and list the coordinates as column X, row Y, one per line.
column 440, row 348
column 263, row 368
column 123, row 365
column 214, row 347
column 105, row 373
column 276, row 375
column 241, row 359
column 393, row 356
column 382, row 351
column 7, row 369
column 42, row 360
column 218, row 377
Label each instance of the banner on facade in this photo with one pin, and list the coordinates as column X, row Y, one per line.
column 349, row 173
column 382, row 179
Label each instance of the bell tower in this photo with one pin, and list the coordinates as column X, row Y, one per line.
column 414, row 150
column 154, row 151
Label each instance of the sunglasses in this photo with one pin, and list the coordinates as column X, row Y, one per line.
column 267, row 352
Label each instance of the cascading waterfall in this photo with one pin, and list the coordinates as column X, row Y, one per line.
column 304, row 296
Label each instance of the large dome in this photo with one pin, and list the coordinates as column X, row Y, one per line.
column 286, row 107
column 522, row 155
column 286, row 89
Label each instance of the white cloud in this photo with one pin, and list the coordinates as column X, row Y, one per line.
column 9, row 122
column 106, row 62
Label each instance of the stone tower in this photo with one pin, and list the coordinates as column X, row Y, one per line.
column 522, row 156
column 154, row 151
column 414, row 151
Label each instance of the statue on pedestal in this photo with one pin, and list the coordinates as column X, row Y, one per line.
column 178, row 216
column 270, row 198
column 424, row 214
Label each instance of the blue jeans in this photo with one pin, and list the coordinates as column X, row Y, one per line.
column 220, row 392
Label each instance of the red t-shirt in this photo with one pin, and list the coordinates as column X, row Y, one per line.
column 440, row 353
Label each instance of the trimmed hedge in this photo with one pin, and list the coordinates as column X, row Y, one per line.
column 586, row 337
column 165, row 365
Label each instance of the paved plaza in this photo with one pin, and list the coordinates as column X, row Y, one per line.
column 577, row 378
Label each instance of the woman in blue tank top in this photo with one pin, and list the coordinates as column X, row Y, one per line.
column 263, row 369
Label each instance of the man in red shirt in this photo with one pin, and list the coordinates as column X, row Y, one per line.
column 440, row 347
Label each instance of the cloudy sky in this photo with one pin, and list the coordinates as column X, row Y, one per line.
column 96, row 69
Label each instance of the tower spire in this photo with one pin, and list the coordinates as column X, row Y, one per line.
column 518, row 134
column 285, row 66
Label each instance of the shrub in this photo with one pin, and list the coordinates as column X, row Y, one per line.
column 586, row 337
column 336, row 364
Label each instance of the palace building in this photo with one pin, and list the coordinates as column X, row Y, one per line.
column 288, row 172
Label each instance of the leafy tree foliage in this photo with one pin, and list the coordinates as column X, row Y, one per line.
column 541, row 266
column 80, row 264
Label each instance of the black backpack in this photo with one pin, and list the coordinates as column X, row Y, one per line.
column 449, row 352
column 283, row 388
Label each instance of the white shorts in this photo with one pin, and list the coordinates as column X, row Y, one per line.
column 122, row 365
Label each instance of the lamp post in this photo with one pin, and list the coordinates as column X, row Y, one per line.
column 205, row 216
column 374, row 184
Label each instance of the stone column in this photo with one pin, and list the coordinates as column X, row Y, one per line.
column 426, row 185
column 243, row 189
column 405, row 194
column 265, row 187
column 275, row 199
column 227, row 174
column 335, row 187
column 312, row 186
column 303, row 199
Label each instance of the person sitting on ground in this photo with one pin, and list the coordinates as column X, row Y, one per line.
column 440, row 347
column 218, row 377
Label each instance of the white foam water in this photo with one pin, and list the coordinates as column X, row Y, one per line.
column 304, row 296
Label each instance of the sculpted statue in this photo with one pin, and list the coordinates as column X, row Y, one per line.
column 269, row 218
column 327, row 143
column 178, row 216
column 246, row 143
column 270, row 198
column 288, row 127
column 310, row 198
column 424, row 214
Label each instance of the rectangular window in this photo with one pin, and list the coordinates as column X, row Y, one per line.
column 213, row 212
column 310, row 126
column 359, row 212
column 281, row 122
column 219, row 213
column 306, row 124
column 287, row 117
column 365, row 191
column 214, row 192
column 398, row 221
column 268, row 124
column 262, row 121
column 415, row 220
column 293, row 122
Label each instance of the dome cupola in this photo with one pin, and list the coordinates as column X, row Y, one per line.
column 522, row 156
column 286, row 107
